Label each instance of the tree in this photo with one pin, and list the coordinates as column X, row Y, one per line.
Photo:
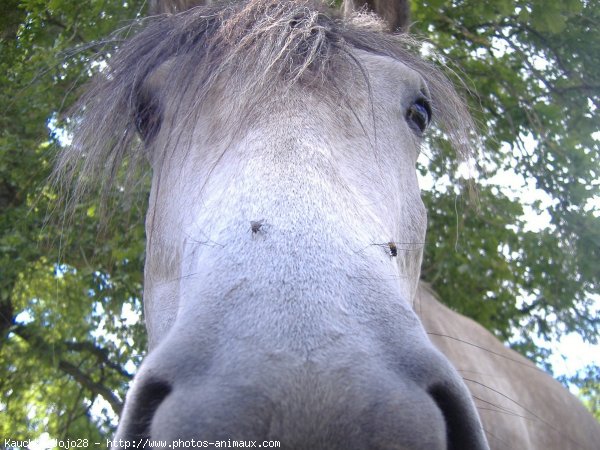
column 66, row 356
column 55, row 366
column 534, row 69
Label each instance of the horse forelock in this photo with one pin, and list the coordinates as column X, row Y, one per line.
column 266, row 44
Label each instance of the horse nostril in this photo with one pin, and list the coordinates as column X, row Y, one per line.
column 459, row 418
column 148, row 399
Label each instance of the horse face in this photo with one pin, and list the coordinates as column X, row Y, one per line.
column 300, row 328
column 330, row 177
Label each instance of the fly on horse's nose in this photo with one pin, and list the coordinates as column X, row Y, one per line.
column 256, row 225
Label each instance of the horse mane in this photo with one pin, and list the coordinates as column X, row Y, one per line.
column 269, row 43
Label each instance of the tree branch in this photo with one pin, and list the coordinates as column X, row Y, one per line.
column 97, row 388
column 6, row 317
column 476, row 39
column 100, row 353
column 54, row 353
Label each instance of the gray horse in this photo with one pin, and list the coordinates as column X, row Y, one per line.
column 279, row 302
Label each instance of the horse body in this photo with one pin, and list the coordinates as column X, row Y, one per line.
column 520, row 405
column 284, row 230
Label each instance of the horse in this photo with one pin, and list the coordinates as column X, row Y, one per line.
column 285, row 231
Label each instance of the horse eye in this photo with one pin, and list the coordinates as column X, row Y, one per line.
column 148, row 118
column 419, row 114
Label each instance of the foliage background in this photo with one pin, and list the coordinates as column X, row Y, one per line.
column 67, row 348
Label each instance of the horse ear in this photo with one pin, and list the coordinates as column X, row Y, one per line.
column 396, row 13
column 173, row 6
